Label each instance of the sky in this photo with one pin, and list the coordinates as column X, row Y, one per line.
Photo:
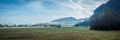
column 41, row 11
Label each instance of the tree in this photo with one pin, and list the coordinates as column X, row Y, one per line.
column 105, row 20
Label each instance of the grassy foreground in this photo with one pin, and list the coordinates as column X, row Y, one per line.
column 57, row 34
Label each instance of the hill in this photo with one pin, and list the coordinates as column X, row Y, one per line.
column 106, row 17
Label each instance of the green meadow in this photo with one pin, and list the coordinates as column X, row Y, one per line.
column 64, row 33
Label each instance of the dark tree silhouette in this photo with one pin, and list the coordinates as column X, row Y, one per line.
column 106, row 17
column 1, row 25
column 56, row 25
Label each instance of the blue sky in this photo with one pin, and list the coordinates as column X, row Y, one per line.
column 40, row 11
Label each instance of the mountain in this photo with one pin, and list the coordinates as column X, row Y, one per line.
column 71, row 21
column 106, row 16
column 84, row 19
column 66, row 19
column 83, row 22
column 66, row 22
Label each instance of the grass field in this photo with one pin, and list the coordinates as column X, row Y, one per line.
column 65, row 33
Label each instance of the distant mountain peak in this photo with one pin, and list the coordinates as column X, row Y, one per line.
column 66, row 19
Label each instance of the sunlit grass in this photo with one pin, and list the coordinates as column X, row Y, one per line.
column 65, row 33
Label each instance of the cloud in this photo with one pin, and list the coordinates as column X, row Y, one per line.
column 35, row 6
column 36, row 11
column 85, row 8
column 81, row 8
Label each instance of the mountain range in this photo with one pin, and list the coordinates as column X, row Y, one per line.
column 66, row 22
column 70, row 21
